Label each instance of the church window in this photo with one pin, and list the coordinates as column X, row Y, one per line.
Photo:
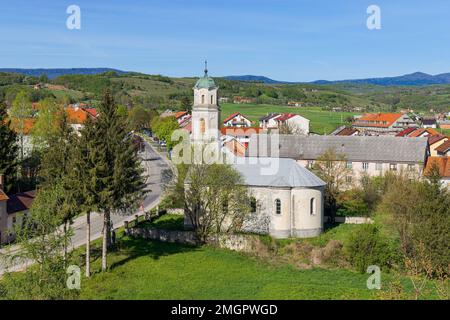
column 203, row 99
column 253, row 204
column 278, row 206
column 312, row 206
column 212, row 99
column 202, row 126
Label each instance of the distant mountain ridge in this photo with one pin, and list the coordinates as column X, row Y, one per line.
column 413, row 79
column 56, row 72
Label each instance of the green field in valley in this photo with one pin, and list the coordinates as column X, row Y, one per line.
column 321, row 121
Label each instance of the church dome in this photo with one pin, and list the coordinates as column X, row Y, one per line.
column 206, row 82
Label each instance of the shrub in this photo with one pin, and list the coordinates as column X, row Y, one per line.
column 366, row 246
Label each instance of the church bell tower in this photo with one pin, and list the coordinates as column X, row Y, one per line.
column 205, row 111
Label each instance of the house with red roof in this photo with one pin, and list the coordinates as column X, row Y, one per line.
column 237, row 120
column 13, row 208
column 295, row 123
column 443, row 149
column 383, row 123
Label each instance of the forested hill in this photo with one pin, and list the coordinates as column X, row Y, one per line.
column 54, row 73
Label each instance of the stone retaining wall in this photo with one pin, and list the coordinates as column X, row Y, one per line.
column 235, row 242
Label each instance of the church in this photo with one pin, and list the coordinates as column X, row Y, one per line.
column 290, row 198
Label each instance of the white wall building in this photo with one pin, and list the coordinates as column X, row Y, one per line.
column 288, row 197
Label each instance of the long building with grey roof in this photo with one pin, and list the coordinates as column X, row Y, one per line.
column 371, row 155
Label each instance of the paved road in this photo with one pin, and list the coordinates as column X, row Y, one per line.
column 158, row 172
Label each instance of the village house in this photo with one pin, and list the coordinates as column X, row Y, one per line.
column 429, row 123
column 13, row 209
column 237, row 120
column 288, row 202
column 383, row 123
column 294, row 122
column 444, row 149
column 364, row 155
column 345, row 131
column 241, row 100
column 294, row 104
column 242, row 135
column 444, row 124
column 435, row 139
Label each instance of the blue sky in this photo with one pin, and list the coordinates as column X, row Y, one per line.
column 293, row 40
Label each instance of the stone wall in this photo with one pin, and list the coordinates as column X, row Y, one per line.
column 351, row 220
column 235, row 242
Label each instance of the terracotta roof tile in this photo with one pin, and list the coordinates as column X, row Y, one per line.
column 383, row 120
column 444, row 147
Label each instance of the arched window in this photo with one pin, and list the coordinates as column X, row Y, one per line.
column 212, row 99
column 253, row 205
column 312, row 206
column 202, row 126
column 278, row 206
column 203, row 99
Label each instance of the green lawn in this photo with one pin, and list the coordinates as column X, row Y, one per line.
column 141, row 269
column 155, row 270
column 321, row 121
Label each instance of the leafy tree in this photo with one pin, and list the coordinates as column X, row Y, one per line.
column 42, row 241
column 122, row 111
column 139, row 118
column 186, row 103
column 20, row 112
column 8, row 149
column 366, row 246
column 216, row 199
column 331, row 167
column 163, row 128
column 419, row 212
column 46, row 125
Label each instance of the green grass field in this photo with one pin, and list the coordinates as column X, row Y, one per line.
column 321, row 121
column 155, row 270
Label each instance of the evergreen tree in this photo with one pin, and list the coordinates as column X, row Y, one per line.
column 8, row 149
column 111, row 172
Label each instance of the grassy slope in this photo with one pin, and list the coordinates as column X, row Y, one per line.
column 155, row 270
column 321, row 121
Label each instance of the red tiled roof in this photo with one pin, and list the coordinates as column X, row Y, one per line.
column 419, row 132
column 443, row 164
column 20, row 201
column 444, row 147
column 383, row 120
column 347, row 132
column 285, row 116
column 91, row 111
column 405, row 132
column 245, row 131
column 188, row 127
column 231, row 117
column 179, row 114
column 28, row 125
column 434, row 139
